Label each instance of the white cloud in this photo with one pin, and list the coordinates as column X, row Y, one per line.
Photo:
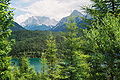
column 22, row 18
column 26, row 0
column 52, row 8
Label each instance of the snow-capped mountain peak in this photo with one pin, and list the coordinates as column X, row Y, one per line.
column 39, row 20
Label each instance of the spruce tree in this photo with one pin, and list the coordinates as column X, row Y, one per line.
column 101, row 7
column 102, row 43
column 52, row 60
column 100, row 37
column 6, row 20
column 76, row 66
column 25, row 71
column 44, row 69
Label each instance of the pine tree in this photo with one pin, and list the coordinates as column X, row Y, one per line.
column 53, row 59
column 24, row 71
column 76, row 67
column 101, row 7
column 6, row 20
column 100, row 37
column 44, row 69
column 102, row 43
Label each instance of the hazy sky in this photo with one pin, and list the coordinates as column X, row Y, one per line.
column 56, row 9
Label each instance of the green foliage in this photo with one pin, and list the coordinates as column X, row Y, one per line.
column 92, row 55
column 102, row 43
column 101, row 7
column 52, row 60
column 76, row 66
column 44, row 74
column 102, row 39
column 30, row 43
column 6, row 20
column 24, row 71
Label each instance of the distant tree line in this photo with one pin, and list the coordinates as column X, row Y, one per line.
column 31, row 43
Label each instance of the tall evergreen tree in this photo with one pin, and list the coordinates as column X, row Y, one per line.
column 6, row 20
column 53, row 59
column 44, row 69
column 76, row 67
column 101, row 7
column 24, row 71
column 101, row 39
column 102, row 43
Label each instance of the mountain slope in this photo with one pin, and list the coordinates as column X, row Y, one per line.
column 76, row 15
column 17, row 27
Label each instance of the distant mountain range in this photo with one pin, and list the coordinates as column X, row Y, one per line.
column 75, row 15
column 42, row 23
column 39, row 23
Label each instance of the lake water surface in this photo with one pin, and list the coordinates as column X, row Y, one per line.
column 34, row 62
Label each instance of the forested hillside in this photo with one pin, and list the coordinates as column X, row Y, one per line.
column 30, row 43
column 17, row 27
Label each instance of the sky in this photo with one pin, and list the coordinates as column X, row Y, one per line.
column 54, row 9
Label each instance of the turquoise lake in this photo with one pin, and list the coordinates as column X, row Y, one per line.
column 34, row 62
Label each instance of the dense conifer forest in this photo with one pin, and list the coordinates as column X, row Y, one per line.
column 92, row 53
column 31, row 43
